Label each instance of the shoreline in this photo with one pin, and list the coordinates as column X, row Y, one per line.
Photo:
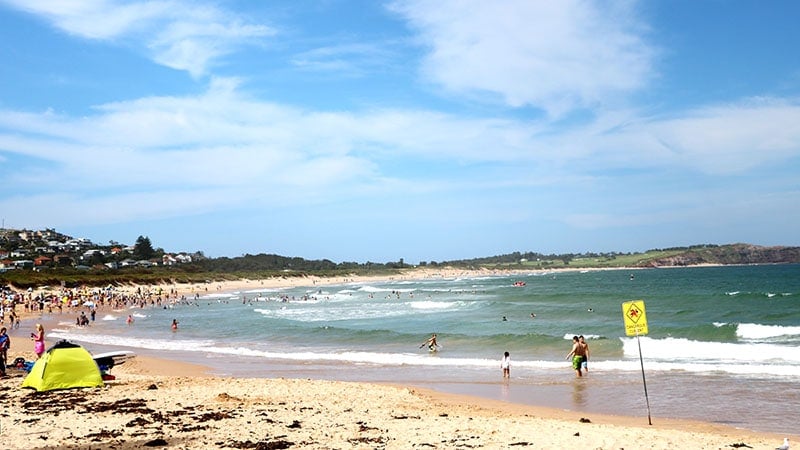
column 198, row 375
column 149, row 365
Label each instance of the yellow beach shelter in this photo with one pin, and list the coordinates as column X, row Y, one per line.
column 64, row 366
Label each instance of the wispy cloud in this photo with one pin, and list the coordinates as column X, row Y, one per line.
column 557, row 56
column 224, row 145
column 355, row 59
column 186, row 36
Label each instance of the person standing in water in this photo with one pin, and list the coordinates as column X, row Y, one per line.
column 577, row 355
column 174, row 324
column 585, row 362
column 431, row 343
column 505, row 364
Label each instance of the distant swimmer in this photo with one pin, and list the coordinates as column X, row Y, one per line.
column 533, row 316
column 505, row 319
column 590, row 310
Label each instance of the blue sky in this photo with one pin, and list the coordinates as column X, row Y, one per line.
column 423, row 130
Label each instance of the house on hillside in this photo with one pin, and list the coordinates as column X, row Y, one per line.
column 22, row 264
column 89, row 254
column 42, row 261
column 63, row 260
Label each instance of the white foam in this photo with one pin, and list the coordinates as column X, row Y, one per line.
column 569, row 336
column 662, row 361
column 754, row 331
column 683, row 351
column 426, row 304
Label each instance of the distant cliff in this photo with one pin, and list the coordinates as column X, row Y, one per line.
column 728, row 254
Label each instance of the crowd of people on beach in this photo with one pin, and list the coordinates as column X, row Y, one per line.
column 76, row 300
column 82, row 302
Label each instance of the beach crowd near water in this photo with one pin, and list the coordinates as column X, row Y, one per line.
column 168, row 403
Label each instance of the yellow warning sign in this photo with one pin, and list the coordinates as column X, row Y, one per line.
column 635, row 318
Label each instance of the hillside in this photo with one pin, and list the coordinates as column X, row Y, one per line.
column 202, row 269
column 679, row 256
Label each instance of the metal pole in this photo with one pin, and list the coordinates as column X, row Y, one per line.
column 644, row 381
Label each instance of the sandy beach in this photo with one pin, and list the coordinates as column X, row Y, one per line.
column 169, row 404
column 154, row 403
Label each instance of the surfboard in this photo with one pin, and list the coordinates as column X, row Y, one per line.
column 111, row 359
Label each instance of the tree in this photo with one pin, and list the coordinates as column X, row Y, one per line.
column 97, row 258
column 143, row 249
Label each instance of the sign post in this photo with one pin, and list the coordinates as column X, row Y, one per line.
column 635, row 318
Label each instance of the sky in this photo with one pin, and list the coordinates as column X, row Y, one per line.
column 375, row 131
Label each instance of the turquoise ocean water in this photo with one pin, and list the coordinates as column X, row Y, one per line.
column 723, row 343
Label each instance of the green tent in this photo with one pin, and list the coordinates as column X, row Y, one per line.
column 64, row 366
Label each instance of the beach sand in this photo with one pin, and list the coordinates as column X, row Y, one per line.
column 156, row 403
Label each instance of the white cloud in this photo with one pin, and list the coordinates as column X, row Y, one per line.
column 720, row 139
column 186, row 36
column 230, row 149
column 554, row 55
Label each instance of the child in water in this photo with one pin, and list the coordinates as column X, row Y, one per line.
column 505, row 364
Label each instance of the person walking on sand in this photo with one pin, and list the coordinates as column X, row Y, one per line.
column 585, row 362
column 505, row 364
column 5, row 344
column 174, row 324
column 38, row 340
column 577, row 354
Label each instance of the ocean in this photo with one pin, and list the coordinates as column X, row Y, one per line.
column 723, row 343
